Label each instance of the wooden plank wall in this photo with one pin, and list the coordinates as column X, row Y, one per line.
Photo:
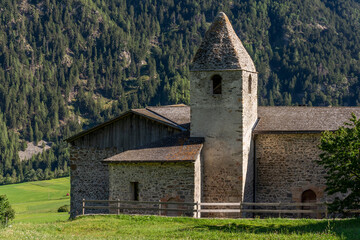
column 127, row 133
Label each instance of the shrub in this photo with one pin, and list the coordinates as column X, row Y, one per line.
column 65, row 208
column 6, row 212
column 341, row 160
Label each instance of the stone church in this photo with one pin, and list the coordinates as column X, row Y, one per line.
column 221, row 148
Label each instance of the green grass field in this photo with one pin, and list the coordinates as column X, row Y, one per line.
column 36, row 205
column 152, row 227
column 37, row 202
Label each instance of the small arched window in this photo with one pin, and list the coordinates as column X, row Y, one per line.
column 250, row 84
column 216, row 84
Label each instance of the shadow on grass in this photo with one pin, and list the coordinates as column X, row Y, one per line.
column 347, row 228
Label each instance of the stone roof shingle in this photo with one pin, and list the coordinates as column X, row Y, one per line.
column 303, row 119
column 222, row 49
column 271, row 119
column 176, row 148
column 179, row 114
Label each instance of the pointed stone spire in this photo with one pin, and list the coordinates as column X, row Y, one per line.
column 221, row 49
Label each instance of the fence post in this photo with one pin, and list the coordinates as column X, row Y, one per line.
column 240, row 206
column 279, row 209
column 83, row 207
column 160, row 207
column 118, row 206
column 197, row 210
column 299, row 207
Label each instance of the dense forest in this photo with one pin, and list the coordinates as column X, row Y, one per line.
column 66, row 65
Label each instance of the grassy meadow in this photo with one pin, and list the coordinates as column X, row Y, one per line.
column 38, row 202
column 152, row 227
column 36, row 205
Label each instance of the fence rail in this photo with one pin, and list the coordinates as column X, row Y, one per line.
column 318, row 209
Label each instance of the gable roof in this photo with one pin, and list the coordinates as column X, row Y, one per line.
column 179, row 114
column 176, row 148
column 168, row 115
column 303, row 119
column 271, row 119
column 222, row 49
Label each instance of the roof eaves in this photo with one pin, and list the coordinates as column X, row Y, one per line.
column 131, row 111
column 147, row 161
column 180, row 127
column 201, row 147
column 257, row 132
column 174, row 125
column 93, row 129
column 112, row 160
column 221, row 70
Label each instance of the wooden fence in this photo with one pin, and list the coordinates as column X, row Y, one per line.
column 280, row 209
column 314, row 210
column 117, row 206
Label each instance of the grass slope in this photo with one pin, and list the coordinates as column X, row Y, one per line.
column 36, row 205
column 152, row 227
column 37, row 202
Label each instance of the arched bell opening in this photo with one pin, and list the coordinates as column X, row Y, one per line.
column 216, row 84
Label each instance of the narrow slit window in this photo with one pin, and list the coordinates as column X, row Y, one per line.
column 134, row 191
column 216, row 81
column 250, row 84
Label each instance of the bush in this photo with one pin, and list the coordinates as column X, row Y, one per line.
column 6, row 212
column 65, row 208
column 341, row 160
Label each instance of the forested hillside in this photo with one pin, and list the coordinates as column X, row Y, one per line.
column 66, row 65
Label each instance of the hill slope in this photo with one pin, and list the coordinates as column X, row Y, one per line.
column 38, row 201
column 66, row 65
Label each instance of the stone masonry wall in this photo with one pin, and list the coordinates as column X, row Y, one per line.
column 225, row 121
column 218, row 118
column 157, row 181
column 89, row 176
column 286, row 167
column 249, row 118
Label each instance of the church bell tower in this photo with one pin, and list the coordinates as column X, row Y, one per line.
column 223, row 99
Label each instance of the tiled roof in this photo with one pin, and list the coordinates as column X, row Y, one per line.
column 145, row 112
column 271, row 119
column 179, row 114
column 303, row 119
column 222, row 49
column 180, row 147
column 176, row 116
